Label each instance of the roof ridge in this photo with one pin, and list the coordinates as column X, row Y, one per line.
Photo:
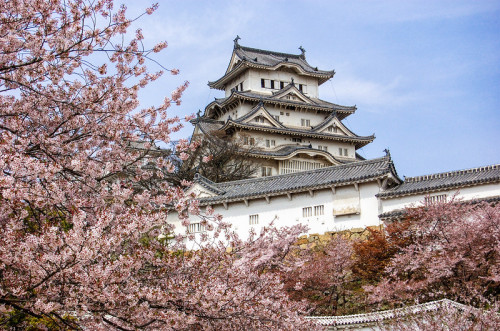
column 390, row 313
column 306, row 132
column 268, row 52
column 270, row 178
column 451, row 173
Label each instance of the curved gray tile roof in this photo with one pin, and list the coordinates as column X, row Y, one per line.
column 259, row 58
column 399, row 213
column 379, row 316
column 271, row 58
column 445, row 181
column 344, row 174
column 318, row 104
column 359, row 141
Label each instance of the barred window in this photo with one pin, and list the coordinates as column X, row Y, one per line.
column 270, row 143
column 266, row 171
column 196, row 227
column 319, row 210
column 253, row 219
column 307, row 212
column 435, row 199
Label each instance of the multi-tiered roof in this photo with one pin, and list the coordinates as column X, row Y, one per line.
column 273, row 97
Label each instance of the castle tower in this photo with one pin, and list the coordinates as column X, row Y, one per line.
column 272, row 110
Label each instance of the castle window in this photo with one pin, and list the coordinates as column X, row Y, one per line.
column 196, row 227
column 252, row 141
column 272, row 84
column 297, row 140
column 307, row 212
column 282, row 85
column 340, row 151
column 282, row 113
column 332, row 129
column 323, row 148
column 253, row 219
column 266, row 83
column 241, row 86
column 429, row 200
column 276, row 117
column 304, row 122
column 266, row 171
column 345, row 151
column 259, row 119
column 245, row 140
column 270, row 143
column 319, row 210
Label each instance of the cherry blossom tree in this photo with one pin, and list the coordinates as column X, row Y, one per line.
column 449, row 250
column 80, row 245
column 323, row 278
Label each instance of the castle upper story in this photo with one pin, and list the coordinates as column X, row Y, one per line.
column 265, row 72
column 271, row 107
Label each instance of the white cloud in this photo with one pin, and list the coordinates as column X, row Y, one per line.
column 356, row 90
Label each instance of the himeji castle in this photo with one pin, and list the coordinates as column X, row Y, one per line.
column 272, row 106
column 309, row 170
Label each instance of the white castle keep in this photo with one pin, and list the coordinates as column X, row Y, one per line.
column 308, row 169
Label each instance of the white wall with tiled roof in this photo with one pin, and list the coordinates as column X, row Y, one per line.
column 329, row 210
column 476, row 192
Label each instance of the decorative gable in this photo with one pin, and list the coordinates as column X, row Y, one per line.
column 260, row 116
column 200, row 192
column 235, row 60
column 292, row 93
column 332, row 125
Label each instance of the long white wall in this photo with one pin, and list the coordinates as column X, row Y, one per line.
column 360, row 208
column 466, row 193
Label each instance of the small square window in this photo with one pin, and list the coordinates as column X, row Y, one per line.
column 253, row 219
column 266, row 171
column 319, row 210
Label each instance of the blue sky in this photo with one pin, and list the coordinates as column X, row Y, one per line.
column 425, row 75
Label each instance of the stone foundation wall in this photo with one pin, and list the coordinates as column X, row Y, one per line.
column 312, row 240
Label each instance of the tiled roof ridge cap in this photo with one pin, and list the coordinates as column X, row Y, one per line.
column 207, row 120
column 340, row 166
column 267, row 52
column 451, row 173
column 299, row 131
column 267, row 98
column 207, row 183
column 391, row 313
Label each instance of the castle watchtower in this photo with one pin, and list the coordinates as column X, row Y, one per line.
column 272, row 108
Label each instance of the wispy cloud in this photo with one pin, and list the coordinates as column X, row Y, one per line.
column 357, row 90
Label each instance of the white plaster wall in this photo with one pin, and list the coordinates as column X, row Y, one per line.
column 467, row 193
column 241, row 111
column 285, row 212
column 282, row 140
column 254, row 81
